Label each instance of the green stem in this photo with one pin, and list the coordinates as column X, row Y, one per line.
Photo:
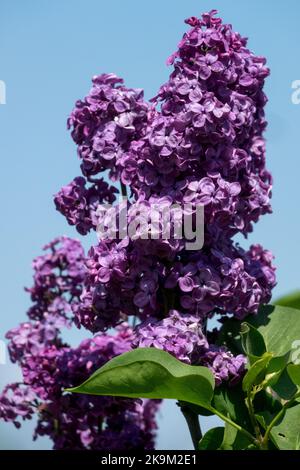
column 235, row 425
column 192, row 421
column 272, row 424
column 252, row 417
column 276, row 418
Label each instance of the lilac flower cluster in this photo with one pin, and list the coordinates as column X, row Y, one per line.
column 206, row 138
column 49, row 366
column 199, row 142
column 123, row 281
column 225, row 367
column 227, row 279
column 106, row 122
column 58, row 278
column 181, row 335
column 30, row 338
column 119, row 282
column 79, row 204
column 92, row 422
column 16, row 401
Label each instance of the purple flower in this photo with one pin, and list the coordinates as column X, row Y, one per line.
column 178, row 334
column 199, row 141
column 58, row 278
column 225, row 366
column 146, row 294
column 105, row 122
column 29, row 338
column 49, row 366
column 182, row 336
column 105, row 263
column 79, row 204
column 16, row 401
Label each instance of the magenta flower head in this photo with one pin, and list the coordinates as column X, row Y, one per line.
column 199, row 142
column 49, row 366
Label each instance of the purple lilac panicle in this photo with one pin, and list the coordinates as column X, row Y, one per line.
column 58, row 278
column 106, row 122
column 49, row 366
column 92, row 422
column 200, row 141
column 79, row 204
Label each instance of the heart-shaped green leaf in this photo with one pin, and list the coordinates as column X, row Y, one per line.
column 230, row 401
column 151, row 373
column 279, row 326
column 227, row 438
column 234, row 439
column 294, row 373
column 274, row 370
column 256, row 373
column 212, row 439
column 252, row 341
column 285, row 387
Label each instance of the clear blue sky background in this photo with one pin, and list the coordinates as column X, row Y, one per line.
column 49, row 49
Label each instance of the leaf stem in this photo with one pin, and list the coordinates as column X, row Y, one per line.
column 277, row 417
column 192, row 421
column 252, row 417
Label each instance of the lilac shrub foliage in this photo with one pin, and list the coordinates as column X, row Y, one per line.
column 198, row 141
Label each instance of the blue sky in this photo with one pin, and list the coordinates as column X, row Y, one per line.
column 49, row 50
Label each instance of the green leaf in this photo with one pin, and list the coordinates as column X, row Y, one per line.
column 212, row 439
column 275, row 369
column 291, row 300
column 252, row 341
column 151, row 373
column 279, row 326
column 234, row 439
column 256, row 372
column 263, row 418
column 265, row 401
column 294, row 373
column 229, row 335
column 228, row 438
column 286, row 433
column 266, row 408
column 295, row 352
column 230, row 402
column 284, row 387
